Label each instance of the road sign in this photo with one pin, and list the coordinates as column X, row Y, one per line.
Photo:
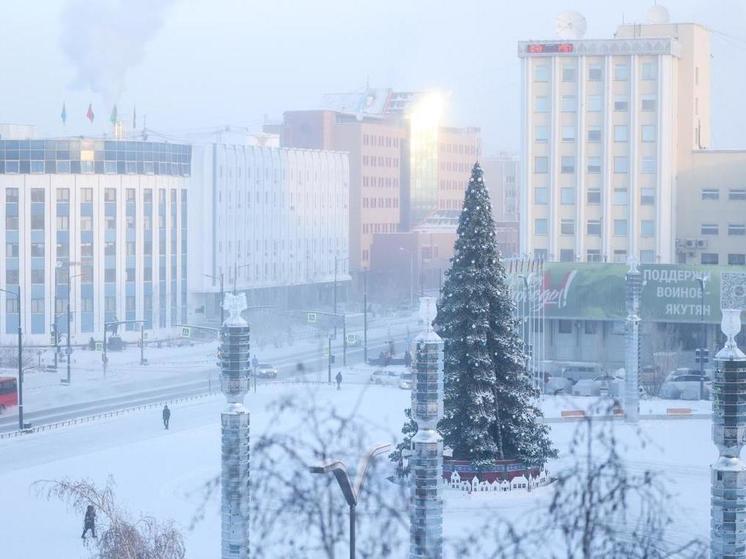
column 352, row 339
column 311, row 317
column 99, row 346
column 186, row 332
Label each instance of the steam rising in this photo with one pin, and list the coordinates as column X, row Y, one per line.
column 105, row 38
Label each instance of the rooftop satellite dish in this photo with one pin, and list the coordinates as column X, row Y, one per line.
column 570, row 25
column 658, row 15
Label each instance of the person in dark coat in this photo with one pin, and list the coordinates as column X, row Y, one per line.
column 407, row 359
column 89, row 522
column 339, row 379
column 166, row 416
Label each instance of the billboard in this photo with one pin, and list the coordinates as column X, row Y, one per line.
column 670, row 293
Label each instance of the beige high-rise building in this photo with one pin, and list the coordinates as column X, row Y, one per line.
column 610, row 127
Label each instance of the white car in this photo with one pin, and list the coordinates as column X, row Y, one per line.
column 685, row 386
column 406, row 381
column 383, row 376
column 265, row 370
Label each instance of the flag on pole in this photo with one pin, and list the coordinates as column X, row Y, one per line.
column 63, row 114
column 134, row 117
column 89, row 115
column 113, row 117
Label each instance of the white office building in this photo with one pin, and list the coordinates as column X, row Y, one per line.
column 273, row 222
column 102, row 220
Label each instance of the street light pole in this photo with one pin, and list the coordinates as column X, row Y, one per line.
column 222, row 294
column 702, row 281
column 335, row 294
column 365, row 316
column 20, row 355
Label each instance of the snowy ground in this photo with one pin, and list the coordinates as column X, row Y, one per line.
column 160, row 472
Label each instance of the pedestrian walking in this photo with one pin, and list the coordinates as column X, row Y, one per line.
column 89, row 522
column 166, row 416
column 339, row 379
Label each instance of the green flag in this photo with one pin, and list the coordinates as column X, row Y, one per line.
column 113, row 117
column 63, row 114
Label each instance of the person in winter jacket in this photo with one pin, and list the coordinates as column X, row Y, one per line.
column 339, row 379
column 89, row 522
column 166, row 416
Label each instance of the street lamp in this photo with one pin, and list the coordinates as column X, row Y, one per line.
column 411, row 274
column 337, row 259
column 20, row 356
column 351, row 492
column 702, row 282
column 236, row 268
column 69, row 350
column 222, row 294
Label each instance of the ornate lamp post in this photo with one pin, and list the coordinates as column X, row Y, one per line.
column 234, row 381
column 633, row 282
column 426, row 462
column 728, row 474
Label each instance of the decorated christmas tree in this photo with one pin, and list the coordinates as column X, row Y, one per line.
column 490, row 402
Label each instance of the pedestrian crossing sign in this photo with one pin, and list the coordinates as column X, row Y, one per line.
column 312, row 317
column 186, row 332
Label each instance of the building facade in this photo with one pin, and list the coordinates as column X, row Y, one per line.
column 104, row 221
column 273, row 222
column 501, row 175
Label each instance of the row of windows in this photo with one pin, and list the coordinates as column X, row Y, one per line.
column 648, row 164
column 13, row 167
column 648, row 71
column 387, row 141
column 380, row 227
column 380, row 161
column 459, row 148
column 594, row 104
column 735, row 194
column 455, row 166
column 380, row 202
column 619, row 256
column 713, row 258
column 381, row 182
column 593, row 196
column 86, row 195
column 594, row 134
column 593, row 227
column 737, row 229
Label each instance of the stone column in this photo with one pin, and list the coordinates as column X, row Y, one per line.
column 728, row 474
column 234, row 382
column 426, row 462
column 633, row 283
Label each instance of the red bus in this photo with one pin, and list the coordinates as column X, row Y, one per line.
column 8, row 393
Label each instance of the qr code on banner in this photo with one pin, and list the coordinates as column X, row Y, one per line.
column 733, row 290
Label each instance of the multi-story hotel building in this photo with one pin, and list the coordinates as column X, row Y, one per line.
column 501, row 175
column 273, row 222
column 101, row 220
column 607, row 127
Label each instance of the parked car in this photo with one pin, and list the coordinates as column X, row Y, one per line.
column 558, row 385
column 406, row 381
column 384, row 376
column 579, row 371
column 265, row 370
column 606, row 385
column 684, row 384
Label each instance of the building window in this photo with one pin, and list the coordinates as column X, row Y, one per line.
column 621, row 164
column 649, row 71
column 649, row 165
column 594, row 134
column 540, row 226
column 569, row 104
column 621, row 72
column 649, row 104
column 593, row 255
column 648, row 133
column 542, row 134
column 621, row 133
column 647, row 228
column 567, row 255
column 593, row 196
column 620, row 227
column 567, row 227
column 567, row 196
column 710, row 194
column 569, row 73
column 542, row 104
column 63, row 194
column 593, row 227
column 709, row 229
column 736, row 229
column 621, row 105
column 568, row 133
column 594, row 165
column 37, row 195
column 620, row 197
column 564, row 326
column 541, row 195
column 595, row 73
column 567, row 164
column 736, row 194
column 709, row 258
column 647, row 197
column 541, row 164
column 594, row 103
column 541, row 73
column 620, row 257
column 737, row 259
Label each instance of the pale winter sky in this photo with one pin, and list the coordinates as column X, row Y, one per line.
column 200, row 64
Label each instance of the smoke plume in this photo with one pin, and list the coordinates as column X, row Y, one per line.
column 105, row 38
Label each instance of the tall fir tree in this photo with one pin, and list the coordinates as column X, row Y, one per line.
column 490, row 402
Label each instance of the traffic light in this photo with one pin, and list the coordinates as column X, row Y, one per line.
column 702, row 356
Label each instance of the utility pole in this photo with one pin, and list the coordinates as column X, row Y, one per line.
column 20, row 361
column 142, row 343
column 335, row 295
column 329, row 369
column 69, row 349
column 365, row 316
